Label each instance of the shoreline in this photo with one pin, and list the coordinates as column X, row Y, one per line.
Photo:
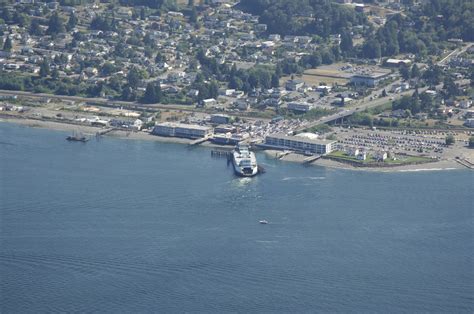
column 442, row 165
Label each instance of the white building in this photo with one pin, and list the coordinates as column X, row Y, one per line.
column 294, row 85
column 301, row 144
column 209, row 102
column 182, row 130
column 369, row 79
column 380, row 156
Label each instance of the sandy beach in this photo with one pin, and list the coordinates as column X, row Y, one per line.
column 446, row 164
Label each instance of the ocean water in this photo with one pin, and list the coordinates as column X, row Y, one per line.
column 118, row 225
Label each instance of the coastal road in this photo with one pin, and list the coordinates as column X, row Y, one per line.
column 366, row 105
column 116, row 103
column 99, row 101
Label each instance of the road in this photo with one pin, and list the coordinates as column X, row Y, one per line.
column 366, row 105
column 456, row 52
column 117, row 104
column 100, row 101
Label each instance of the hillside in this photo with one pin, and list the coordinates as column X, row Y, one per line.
column 305, row 17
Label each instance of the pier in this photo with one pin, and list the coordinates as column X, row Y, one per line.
column 310, row 159
column 199, row 141
column 103, row 132
column 466, row 163
column 285, row 153
column 221, row 153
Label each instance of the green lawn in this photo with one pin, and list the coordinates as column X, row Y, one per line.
column 402, row 160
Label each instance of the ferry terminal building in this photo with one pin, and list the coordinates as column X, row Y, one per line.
column 301, row 144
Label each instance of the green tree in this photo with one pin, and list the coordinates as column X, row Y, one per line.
column 346, row 42
column 372, row 49
column 72, row 22
column 450, row 87
column 328, row 57
column 55, row 25
column 450, row 140
column 236, row 83
column 152, row 93
column 44, row 68
column 213, row 89
column 21, row 19
column 7, row 46
column 127, row 93
column 433, row 75
column 160, row 57
column 55, row 74
column 134, row 77
column 108, row 69
column 193, row 17
column 35, row 27
column 415, row 71
column 275, row 80
column 404, row 72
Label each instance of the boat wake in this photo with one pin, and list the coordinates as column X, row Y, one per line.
column 426, row 169
column 303, row 178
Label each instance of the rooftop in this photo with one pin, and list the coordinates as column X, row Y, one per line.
column 301, row 139
column 183, row 125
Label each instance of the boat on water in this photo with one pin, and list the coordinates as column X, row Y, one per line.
column 244, row 161
column 263, row 222
column 77, row 137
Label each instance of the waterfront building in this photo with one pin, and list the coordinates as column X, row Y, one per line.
column 182, row 130
column 229, row 138
column 301, row 144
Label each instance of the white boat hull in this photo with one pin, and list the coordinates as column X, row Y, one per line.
column 245, row 172
column 244, row 162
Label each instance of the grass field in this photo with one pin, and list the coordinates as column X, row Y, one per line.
column 402, row 160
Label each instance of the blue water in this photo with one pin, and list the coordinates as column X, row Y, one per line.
column 133, row 226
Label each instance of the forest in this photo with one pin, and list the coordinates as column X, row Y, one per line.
column 422, row 29
column 304, row 17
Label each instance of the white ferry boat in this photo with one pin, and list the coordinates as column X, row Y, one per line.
column 244, row 161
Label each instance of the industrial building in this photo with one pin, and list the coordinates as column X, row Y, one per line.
column 297, row 143
column 369, row 79
column 220, row 119
column 300, row 106
column 191, row 131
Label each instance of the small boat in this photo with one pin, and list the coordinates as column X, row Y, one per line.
column 263, row 222
column 77, row 137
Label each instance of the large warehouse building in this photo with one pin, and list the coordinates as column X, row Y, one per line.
column 182, row 130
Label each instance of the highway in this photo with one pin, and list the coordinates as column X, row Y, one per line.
column 361, row 107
